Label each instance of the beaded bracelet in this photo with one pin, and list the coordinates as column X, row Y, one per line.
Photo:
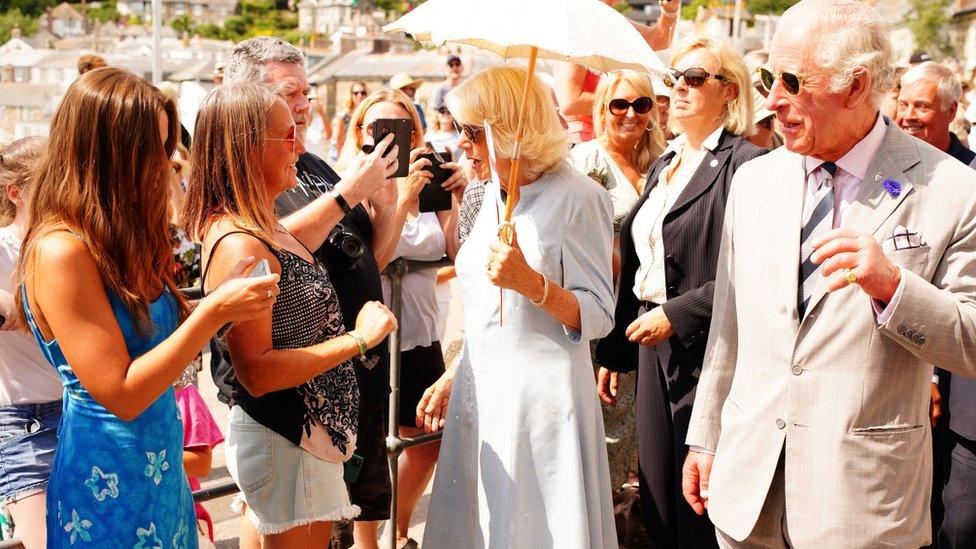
column 360, row 342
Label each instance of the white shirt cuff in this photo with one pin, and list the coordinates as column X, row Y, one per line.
column 701, row 450
column 883, row 312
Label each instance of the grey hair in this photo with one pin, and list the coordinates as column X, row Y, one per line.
column 249, row 60
column 849, row 34
column 948, row 86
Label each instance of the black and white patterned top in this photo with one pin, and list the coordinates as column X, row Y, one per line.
column 307, row 313
column 320, row 415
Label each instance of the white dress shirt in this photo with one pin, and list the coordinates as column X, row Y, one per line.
column 647, row 230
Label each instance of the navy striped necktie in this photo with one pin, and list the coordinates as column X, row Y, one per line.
column 817, row 223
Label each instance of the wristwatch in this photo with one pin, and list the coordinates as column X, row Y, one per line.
column 346, row 208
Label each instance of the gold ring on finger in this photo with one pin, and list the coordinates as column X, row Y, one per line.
column 270, row 293
column 850, row 276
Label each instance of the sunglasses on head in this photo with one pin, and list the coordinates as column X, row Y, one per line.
column 471, row 132
column 791, row 81
column 694, row 77
column 641, row 105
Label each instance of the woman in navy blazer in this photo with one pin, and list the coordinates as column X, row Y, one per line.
column 669, row 249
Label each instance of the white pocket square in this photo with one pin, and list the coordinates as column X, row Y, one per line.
column 904, row 239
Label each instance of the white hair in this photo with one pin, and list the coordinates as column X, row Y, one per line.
column 249, row 60
column 847, row 34
column 948, row 86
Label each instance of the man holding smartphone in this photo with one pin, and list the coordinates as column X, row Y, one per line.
column 325, row 202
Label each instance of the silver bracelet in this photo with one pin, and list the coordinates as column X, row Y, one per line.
column 545, row 292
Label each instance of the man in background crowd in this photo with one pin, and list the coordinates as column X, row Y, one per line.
column 928, row 98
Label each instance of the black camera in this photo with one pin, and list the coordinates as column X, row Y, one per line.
column 343, row 248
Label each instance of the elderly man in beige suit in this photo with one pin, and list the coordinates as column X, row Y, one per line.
column 848, row 269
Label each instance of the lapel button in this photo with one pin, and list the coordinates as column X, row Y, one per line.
column 713, row 163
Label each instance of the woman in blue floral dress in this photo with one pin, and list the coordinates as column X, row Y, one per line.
column 101, row 303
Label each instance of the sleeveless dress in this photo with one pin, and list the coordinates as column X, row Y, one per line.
column 118, row 483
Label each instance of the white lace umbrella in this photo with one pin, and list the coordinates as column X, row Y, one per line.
column 585, row 32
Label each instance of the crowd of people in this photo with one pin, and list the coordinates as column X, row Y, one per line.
column 762, row 265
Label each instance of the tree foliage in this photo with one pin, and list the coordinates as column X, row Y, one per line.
column 14, row 18
column 775, row 7
column 927, row 21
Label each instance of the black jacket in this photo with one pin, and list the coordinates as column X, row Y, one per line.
column 692, row 234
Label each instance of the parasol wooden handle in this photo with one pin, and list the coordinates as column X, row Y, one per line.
column 506, row 229
column 513, row 187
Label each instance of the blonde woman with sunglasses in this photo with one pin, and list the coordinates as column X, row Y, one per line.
column 668, row 254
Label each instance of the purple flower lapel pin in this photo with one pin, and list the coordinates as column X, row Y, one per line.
column 892, row 186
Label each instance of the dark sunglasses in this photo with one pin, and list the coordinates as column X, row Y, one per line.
column 359, row 92
column 453, row 64
column 694, row 77
column 471, row 132
column 791, row 81
column 641, row 105
column 443, row 110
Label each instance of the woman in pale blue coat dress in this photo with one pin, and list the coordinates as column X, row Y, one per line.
column 523, row 461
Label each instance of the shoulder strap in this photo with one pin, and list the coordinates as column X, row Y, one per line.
column 206, row 269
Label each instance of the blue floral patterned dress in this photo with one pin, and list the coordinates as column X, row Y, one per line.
column 119, row 483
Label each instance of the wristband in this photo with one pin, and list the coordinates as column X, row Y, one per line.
column 360, row 342
column 545, row 293
column 346, row 208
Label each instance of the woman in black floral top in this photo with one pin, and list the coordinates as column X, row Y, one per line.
column 292, row 388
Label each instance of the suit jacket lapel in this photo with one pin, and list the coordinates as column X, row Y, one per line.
column 785, row 191
column 873, row 203
column 705, row 175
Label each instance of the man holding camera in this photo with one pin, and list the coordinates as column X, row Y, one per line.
column 325, row 203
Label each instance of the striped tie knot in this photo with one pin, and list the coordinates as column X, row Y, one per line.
column 829, row 167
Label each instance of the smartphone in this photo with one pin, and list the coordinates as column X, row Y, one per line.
column 262, row 269
column 433, row 197
column 351, row 468
column 402, row 130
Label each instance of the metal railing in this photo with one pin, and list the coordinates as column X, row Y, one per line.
column 395, row 445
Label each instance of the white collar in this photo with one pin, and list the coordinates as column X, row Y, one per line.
column 710, row 143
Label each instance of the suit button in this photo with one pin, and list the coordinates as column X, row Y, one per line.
column 901, row 329
column 669, row 257
column 780, row 424
column 910, row 334
column 920, row 340
column 797, row 370
column 672, row 289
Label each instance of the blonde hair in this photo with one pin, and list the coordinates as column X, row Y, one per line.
column 18, row 165
column 652, row 141
column 226, row 178
column 494, row 96
column 738, row 111
column 353, row 142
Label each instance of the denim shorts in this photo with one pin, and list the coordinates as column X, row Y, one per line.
column 283, row 485
column 28, row 438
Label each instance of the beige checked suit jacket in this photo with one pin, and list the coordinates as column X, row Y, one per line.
column 844, row 399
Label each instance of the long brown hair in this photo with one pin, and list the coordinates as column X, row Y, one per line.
column 105, row 181
column 225, row 175
column 18, row 163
